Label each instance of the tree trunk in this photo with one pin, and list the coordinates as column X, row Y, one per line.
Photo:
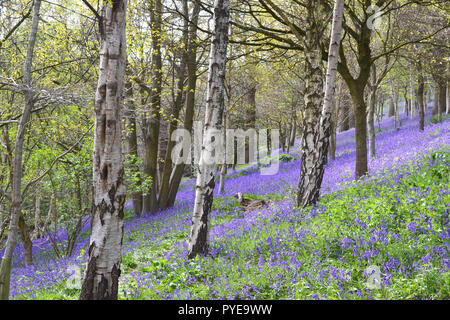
column 37, row 211
column 344, row 115
column 391, row 111
column 250, row 118
column 406, row 107
column 412, row 92
column 436, row 99
column 330, row 110
column 371, row 116
column 101, row 280
column 294, row 129
column 442, row 99
column 27, row 243
column 317, row 123
column 199, row 237
column 5, row 268
column 448, row 96
column 394, row 97
column 168, row 165
column 310, row 173
column 334, row 124
column 223, row 169
column 152, row 123
column 420, row 96
column 190, row 99
column 359, row 107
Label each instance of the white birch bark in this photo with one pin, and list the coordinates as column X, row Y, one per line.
column 199, row 237
column 330, row 79
column 317, row 123
column 103, row 265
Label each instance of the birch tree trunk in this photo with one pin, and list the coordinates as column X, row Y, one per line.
column 103, row 265
column 317, row 123
column 309, row 184
column 5, row 268
column 199, row 237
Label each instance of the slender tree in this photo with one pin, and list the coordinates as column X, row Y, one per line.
column 104, row 256
column 177, row 105
column 317, row 123
column 412, row 87
column 152, row 123
column 420, row 95
column 5, row 268
column 191, row 66
column 199, row 237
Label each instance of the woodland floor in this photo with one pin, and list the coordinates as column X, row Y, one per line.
column 396, row 219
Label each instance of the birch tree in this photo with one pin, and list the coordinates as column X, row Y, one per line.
column 5, row 268
column 103, row 265
column 315, row 140
column 199, row 237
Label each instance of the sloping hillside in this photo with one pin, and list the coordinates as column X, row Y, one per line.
column 395, row 219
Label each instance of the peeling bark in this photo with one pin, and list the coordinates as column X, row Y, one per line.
column 310, row 174
column 199, row 237
column 317, row 122
column 103, row 265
